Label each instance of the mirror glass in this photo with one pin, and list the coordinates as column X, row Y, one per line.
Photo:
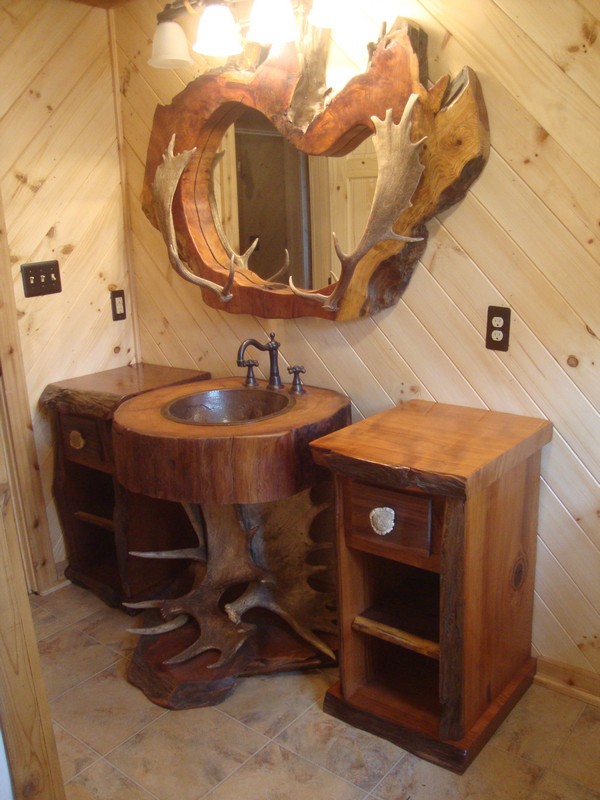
column 264, row 188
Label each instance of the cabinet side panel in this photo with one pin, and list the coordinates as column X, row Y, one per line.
column 353, row 597
column 452, row 592
column 500, row 542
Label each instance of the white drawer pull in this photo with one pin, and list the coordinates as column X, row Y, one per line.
column 76, row 440
column 382, row 520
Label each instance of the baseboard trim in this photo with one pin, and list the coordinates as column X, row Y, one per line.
column 572, row 681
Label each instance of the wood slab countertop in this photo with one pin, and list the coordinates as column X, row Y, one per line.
column 423, row 444
column 253, row 462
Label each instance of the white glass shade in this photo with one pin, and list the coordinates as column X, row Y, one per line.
column 218, row 35
column 169, row 47
column 272, row 21
column 325, row 13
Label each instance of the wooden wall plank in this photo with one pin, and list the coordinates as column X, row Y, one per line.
column 34, row 46
column 35, row 538
column 566, row 33
column 570, row 607
column 61, row 174
column 530, row 76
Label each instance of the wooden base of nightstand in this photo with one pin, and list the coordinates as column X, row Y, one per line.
column 398, row 726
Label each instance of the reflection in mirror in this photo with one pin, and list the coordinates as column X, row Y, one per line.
column 266, row 188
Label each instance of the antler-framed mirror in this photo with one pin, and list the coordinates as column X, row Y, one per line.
column 429, row 144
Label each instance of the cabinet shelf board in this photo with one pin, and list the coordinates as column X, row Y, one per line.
column 95, row 519
column 402, row 638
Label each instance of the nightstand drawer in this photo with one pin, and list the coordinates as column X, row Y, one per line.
column 387, row 522
column 82, row 441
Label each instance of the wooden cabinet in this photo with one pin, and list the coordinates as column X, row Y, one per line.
column 102, row 522
column 437, row 517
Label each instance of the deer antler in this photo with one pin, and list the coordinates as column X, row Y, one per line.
column 164, row 185
column 398, row 174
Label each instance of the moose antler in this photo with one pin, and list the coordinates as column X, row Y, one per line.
column 398, row 174
column 163, row 190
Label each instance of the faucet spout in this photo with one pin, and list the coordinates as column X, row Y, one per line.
column 272, row 348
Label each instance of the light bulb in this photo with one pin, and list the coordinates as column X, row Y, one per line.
column 217, row 35
column 272, row 21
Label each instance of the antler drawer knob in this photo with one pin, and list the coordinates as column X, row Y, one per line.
column 382, row 520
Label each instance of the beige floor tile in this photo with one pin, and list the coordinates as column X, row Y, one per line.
column 494, row 775
column 74, row 756
column 185, row 753
column 45, row 623
column 579, row 756
column 357, row 756
column 540, row 722
column 268, row 703
column 110, row 627
column 276, row 774
column 103, row 782
column 553, row 786
column 71, row 603
column 69, row 657
column 105, row 710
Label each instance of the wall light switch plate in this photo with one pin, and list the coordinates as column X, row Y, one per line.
column 117, row 301
column 41, row 277
column 498, row 328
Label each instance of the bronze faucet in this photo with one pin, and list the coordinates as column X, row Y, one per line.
column 272, row 348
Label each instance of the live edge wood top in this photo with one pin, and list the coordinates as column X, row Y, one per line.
column 253, row 462
column 99, row 393
column 437, row 447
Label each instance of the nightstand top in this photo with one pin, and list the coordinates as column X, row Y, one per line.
column 99, row 393
column 452, row 449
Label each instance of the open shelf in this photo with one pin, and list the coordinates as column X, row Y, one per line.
column 95, row 519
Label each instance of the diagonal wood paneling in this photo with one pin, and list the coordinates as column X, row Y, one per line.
column 61, row 185
column 526, row 236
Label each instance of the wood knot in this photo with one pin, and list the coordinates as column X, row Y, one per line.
column 519, row 572
column 573, row 361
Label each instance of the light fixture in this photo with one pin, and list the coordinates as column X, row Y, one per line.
column 218, row 35
column 169, row 47
column 325, row 13
column 272, row 21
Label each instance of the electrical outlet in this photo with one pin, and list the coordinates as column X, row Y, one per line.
column 41, row 277
column 117, row 301
column 498, row 328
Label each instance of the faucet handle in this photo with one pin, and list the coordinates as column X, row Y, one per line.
column 249, row 364
column 297, row 387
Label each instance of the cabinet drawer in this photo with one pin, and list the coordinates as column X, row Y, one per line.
column 82, row 441
column 389, row 523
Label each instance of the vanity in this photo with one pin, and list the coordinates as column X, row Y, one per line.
column 436, row 536
column 234, row 453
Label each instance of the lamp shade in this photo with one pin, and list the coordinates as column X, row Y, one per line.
column 272, row 21
column 169, row 47
column 218, row 35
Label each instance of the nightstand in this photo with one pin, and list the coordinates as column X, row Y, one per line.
column 102, row 522
column 436, row 538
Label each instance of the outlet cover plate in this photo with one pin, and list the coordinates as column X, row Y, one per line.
column 498, row 328
column 117, row 302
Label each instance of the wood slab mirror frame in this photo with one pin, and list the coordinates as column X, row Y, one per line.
column 430, row 145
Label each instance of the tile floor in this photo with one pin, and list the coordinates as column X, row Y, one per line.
column 270, row 740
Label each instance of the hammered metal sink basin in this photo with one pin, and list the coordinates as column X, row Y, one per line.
column 227, row 406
